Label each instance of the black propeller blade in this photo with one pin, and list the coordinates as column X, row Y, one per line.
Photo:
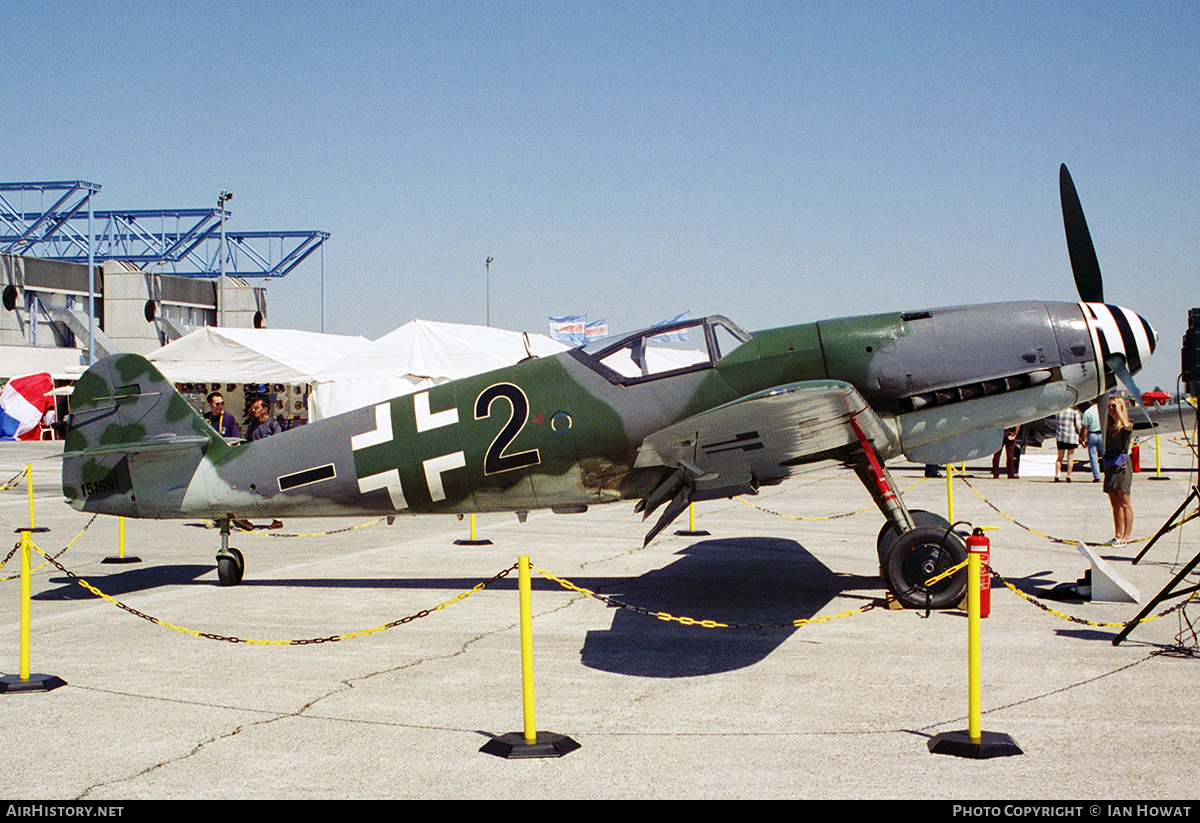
column 1079, row 242
column 1087, row 275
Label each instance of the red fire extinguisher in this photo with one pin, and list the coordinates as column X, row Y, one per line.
column 979, row 544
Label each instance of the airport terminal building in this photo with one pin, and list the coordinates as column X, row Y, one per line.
column 44, row 320
column 158, row 275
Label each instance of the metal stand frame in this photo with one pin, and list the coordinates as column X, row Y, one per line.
column 1168, row 592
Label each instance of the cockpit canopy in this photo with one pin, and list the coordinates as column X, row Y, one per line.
column 661, row 351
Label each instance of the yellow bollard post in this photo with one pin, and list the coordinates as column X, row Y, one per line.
column 121, row 558
column 973, row 650
column 26, row 566
column 950, row 491
column 24, row 681
column 29, row 482
column 691, row 529
column 527, row 649
column 529, row 742
column 973, row 742
column 472, row 540
column 1158, row 475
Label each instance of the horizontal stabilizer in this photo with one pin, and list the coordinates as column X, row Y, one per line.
column 160, row 445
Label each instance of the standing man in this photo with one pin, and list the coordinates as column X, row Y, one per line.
column 1095, row 438
column 263, row 424
column 1009, row 450
column 218, row 418
column 1068, row 423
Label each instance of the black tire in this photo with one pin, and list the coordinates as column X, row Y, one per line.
column 230, row 568
column 888, row 534
column 919, row 555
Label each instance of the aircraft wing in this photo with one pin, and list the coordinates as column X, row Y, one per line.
column 759, row 438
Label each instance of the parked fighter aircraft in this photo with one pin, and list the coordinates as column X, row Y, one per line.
column 635, row 418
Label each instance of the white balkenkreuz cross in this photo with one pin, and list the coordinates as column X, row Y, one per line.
column 434, row 466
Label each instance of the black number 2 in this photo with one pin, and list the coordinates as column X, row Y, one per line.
column 496, row 460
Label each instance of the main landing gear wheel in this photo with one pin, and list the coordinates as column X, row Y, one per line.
column 230, row 567
column 888, row 534
column 920, row 554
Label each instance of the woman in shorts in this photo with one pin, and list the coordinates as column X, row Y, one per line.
column 1118, row 474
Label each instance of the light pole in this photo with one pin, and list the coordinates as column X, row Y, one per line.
column 222, row 199
column 488, row 263
column 91, row 285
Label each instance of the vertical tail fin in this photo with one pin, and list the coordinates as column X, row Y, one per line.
column 130, row 434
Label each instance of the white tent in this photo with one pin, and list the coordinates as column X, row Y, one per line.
column 419, row 354
column 253, row 355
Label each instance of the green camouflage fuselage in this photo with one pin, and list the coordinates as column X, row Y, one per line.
column 565, row 431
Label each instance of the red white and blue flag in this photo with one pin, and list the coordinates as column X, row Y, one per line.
column 24, row 401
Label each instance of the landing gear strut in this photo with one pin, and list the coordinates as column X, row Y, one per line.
column 230, row 563
column 913, row 546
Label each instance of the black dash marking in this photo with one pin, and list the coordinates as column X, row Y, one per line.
column 746, row 441
column 296, row 479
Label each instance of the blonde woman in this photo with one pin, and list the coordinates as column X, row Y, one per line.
column 1118, row 474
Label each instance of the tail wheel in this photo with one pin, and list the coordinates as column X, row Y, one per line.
column 920, row 554
column 230, row 567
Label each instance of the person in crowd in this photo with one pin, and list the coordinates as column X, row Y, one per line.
column 1094, row 433
column 1009, row 450
column 1118, row 473
column 221, row 420
column 262, row 424
column 1068, row 423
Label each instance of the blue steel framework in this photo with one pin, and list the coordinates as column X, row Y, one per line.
column 185, row 241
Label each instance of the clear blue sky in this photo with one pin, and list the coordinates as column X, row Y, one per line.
column 775, row 162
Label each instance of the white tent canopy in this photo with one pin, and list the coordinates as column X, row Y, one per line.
column 419, row 354
column 253, row 355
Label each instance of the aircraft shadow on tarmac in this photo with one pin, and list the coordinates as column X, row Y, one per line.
column 754, row 580
column 124, row 582
column 747, row 581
